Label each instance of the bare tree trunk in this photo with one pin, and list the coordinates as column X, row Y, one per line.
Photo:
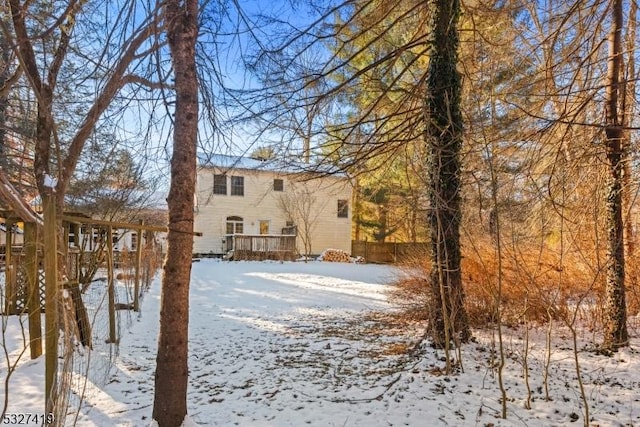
column 444, row 138
column 628, row 109
column 357, row 211
column 616, row 334
column 170, row 400
column 5, row 74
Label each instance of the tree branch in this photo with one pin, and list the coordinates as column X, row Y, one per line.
column 23, row 47
column 112, row 86
column 14, row 200
column 8, row 84
column 133, row 79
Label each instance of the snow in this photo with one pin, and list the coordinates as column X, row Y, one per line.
column 292, row 344
column 275, row 165
column 50, row 181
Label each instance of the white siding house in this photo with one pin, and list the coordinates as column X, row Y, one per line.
column 90, row 238
column 243, row 196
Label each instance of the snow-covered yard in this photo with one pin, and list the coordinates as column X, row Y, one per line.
column 291, row 344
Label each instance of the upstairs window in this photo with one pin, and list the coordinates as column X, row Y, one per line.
column 220, row 184
column 278, row 185
column 343, row 209
column 237, row 185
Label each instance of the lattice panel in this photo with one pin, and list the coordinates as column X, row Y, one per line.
column 21, row 289
column 41, row 286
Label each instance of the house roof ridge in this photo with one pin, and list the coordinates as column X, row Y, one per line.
column 285, row 165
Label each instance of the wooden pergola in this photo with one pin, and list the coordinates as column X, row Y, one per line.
column 34, row 306
column 41, row 242
column 23, row 290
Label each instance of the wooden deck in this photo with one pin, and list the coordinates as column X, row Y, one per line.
column 264, row 247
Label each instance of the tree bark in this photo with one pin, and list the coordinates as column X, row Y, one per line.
column 4, row 98
column 443, row 136
column 615, row 334
column 170, row 400
column 628, row 110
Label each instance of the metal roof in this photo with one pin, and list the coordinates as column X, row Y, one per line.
column 281, row 165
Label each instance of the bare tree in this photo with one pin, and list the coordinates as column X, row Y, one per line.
column 616, row 334
column 303, row 208
column 291, row 104
column 44, row 41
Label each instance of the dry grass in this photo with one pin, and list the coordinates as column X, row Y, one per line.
column 536, row 284
column 633, row 284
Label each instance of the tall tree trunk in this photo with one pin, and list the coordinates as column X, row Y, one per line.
column 170, row 400
column 628, row 110
column 443, row 136
column 5, row 74
column 616, row 334
column 357, row 211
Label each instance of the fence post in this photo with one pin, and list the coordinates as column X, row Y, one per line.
column 33, row 288
column 110, row 285
column 10, row 289
column 51, row 292
column 395, row 251
column 136, row 286
column 366, row 253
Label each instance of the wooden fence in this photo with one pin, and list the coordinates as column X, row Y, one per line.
column 263, row 247
column 387, row 252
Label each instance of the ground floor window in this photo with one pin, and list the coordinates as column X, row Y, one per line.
column 235, row 225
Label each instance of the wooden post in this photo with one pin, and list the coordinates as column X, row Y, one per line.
column 10, row 289
column 366, row 254
column 33, row 288
column 136, row 289
column 111, row 291
column 395, row 251
column 76, row 235
column 51, row 297
column 66, row 228
column 146, row 267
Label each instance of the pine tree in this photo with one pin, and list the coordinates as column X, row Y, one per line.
column 171, row 378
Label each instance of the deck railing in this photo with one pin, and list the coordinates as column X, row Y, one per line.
column 264, row 246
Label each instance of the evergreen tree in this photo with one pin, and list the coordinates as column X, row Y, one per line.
column 172, row 372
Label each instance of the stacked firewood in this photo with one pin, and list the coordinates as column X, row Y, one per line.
column 335, row 255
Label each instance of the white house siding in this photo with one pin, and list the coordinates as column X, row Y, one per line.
column 123, row 239
column 261, row 203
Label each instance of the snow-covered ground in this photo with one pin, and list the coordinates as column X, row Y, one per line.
column 293, row 344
